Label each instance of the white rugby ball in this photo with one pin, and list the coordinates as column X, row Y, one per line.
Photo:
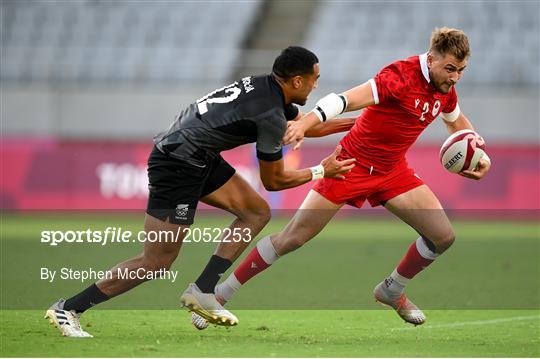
column 462, row 151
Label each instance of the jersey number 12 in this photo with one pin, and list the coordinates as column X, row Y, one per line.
column 222, row 95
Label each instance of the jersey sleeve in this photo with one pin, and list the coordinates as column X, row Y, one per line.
column 291, row 111
column 270, row 131
column 451, row 110
column 388, row 84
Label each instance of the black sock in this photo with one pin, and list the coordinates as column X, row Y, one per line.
column 85, row 299
column 210, row 276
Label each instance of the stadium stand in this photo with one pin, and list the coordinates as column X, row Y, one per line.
column 89, row 41
column 86, row 66
column 102, row 41
column 379, row 32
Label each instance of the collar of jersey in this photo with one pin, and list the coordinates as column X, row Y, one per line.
column 424, row 67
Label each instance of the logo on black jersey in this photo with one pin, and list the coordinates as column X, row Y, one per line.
column 246, row 81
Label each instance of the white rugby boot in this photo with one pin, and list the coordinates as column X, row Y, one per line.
column 67, row 321
column 207, row 306
column 406, row 309
column 199, row 322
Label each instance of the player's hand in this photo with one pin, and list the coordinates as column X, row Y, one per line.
column 294, row 134
column 333, row 168
column 479, row 172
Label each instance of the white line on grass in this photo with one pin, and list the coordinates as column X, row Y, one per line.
column 475, row 322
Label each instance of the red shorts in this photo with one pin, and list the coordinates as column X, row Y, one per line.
column 360, row 185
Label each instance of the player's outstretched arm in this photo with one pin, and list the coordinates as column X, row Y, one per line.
column 326, row 109
column 463, row 123
column 359, row 97
column 275, row 177
column 326, row 128
column 329, row 127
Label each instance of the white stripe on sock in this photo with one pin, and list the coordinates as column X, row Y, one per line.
column 424, row 250
column 228, row 287
column 399, row 278
column 266, row 250
column 233, row 282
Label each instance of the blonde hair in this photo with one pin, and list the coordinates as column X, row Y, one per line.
column 447, row 40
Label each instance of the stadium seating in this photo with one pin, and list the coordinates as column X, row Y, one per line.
column 88, row 41
column 147, row 59
column 367, row 35
column 140, row 42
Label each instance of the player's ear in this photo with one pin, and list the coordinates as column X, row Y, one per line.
column 297, row 82
column 429, row 60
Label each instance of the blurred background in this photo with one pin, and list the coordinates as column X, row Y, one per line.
column 85, row 85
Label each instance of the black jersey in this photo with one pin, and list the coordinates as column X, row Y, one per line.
column 250, row 110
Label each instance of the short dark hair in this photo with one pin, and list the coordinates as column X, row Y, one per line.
column 294, row 61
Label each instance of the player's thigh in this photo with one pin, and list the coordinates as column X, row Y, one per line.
column 308, row 221
column 229, row 191
column 421, row 209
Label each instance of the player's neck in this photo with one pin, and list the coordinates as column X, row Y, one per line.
column 283, row 86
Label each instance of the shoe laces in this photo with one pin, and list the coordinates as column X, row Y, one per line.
column 75, row 319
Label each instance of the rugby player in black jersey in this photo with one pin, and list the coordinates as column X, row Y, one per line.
column 186, row 167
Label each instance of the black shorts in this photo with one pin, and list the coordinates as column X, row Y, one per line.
column 176, row 186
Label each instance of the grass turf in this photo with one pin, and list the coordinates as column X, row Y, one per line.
column 482, row 297
column 278, row 333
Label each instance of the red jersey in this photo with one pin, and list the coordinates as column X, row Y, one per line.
column 405, row 104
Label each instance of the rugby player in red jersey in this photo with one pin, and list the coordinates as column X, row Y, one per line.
column 400, row 102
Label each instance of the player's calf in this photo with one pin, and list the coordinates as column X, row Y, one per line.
column 288, row 242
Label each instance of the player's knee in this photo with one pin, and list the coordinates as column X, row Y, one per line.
column 263, row 214
column 156, row 264
column 259, row 214
column 445, row 241
column 297, row 235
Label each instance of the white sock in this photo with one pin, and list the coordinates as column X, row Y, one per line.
column 227, row 289
column 395, row 283
column 424, row 250
column 267, row 252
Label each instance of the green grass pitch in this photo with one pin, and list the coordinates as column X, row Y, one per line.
column 481, row 298
column 278, row 333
